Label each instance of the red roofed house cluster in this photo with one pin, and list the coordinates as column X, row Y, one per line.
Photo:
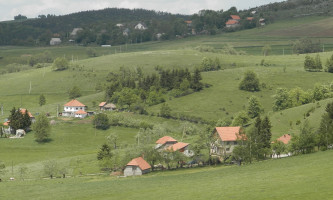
column 137, row 166
column 74, row 108
column 233, row 22
column 226, row 138
column 170, row 144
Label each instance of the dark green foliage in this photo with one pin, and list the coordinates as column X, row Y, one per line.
column 20, row 17
column 305, row 45
column 313, row 64
column 74, row 92
column 305, row 142
column 309, row 63
column 329, row 64
column 101, row 121
column 19, row 120
column 42, row 100
column 60, row 64
column 104, row 152
column 165, row 111
column 208, row 64
column 250, row 82
column 196, row 84
column 281, row 99
column 325, row 131
column 41, row 128
column 254, row 107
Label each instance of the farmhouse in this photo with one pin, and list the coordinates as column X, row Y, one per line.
column 181, row 147
column 165, row 142
column 226, row 138
column 55, row 41
column 140, row 26
column 107, row 106
column 74, row 108
column 233, row 22
column 137, row 166
column 284, row 138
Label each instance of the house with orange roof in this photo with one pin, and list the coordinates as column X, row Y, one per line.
column 233, row 22
column 137, row 166
column 74, row 108
column 165, row 142
column 284, row 138
column 181, row 147
column 225, row 140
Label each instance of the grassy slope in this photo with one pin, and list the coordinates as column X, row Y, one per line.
column 300, row 177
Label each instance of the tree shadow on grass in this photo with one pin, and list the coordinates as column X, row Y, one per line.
column 45, row 141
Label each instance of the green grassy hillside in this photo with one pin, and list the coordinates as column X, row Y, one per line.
column 74, row 143
column 300, row 177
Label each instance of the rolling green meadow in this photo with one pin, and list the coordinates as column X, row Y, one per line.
column 74, row 143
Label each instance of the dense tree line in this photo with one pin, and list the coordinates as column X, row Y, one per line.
column 128, row 88
column 284, row 99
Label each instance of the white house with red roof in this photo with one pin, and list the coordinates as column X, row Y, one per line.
column 225, row 140
column 137, row 166
column 164, row 142
column 74, row 108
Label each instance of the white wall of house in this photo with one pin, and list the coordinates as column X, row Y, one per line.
column 80, row 115
column 132, row 171
column 74, row 108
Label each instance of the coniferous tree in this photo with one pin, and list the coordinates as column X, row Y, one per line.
column 42, row 100
column 196, row 84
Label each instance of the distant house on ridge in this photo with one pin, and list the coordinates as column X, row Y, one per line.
column 140, row 26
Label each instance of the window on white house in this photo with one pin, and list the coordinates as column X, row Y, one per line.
column 227, row 149
column 77, row 108
column 235, row 143
column 80, row 108
column 228, row 143
column 66, row 107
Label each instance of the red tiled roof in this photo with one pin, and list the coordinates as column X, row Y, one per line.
column 178, row 146
column 23, row 110
column 231, row 22
column 165, row 139
column 6, row 123
column 102, row 104
column 81, row 112
column 74, row 103
column 229, row 133
column 250, row 18
column 140, row 162
column 236, row 17
column 188, row 22
column 284, row 138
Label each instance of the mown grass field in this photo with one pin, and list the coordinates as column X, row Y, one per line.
column 300, row 177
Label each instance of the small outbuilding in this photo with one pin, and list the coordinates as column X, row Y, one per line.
column 107, row 106
column 137, row 167
column 55, row 41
